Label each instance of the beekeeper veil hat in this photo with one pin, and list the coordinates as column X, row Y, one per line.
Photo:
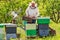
column 33, row 4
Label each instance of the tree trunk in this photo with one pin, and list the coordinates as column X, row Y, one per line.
column 58, row 16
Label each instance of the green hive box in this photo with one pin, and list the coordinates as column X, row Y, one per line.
column 43, row 20
column 1, row 28
column 1, row 32
column 24, row 23
column 31, row 33
column 1, row 25
column 31, row 30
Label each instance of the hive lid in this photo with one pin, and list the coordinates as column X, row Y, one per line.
column 9, row 24
column 1, row 26
column 43, row 18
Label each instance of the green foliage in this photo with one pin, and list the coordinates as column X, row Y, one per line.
column 46, row 8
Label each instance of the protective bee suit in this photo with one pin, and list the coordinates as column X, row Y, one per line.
column 14, row 14
column 32, row 10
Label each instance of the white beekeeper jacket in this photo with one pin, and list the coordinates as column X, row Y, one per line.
column 32, row 12
column 14, row 14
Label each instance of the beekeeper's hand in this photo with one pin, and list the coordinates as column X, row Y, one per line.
column 27, row 16
column 33, row 16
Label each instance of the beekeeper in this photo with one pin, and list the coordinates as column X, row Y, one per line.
column 32, row 10
column 14, row 14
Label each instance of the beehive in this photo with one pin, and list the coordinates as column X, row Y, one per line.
column 10, row 31
column 24, row 23
column 43, row 20
column 11, row 28
column 1, row 25
column 43, row 32
column 1, row 32
column 2, row 36
column 8, row 36
column 43, row 26
column 31, row 30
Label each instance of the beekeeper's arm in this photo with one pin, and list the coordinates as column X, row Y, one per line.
column 37, row 12
column 27, row 11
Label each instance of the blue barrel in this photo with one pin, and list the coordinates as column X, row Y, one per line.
column 43, row 33
column 43, row 26
column 8, row 36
